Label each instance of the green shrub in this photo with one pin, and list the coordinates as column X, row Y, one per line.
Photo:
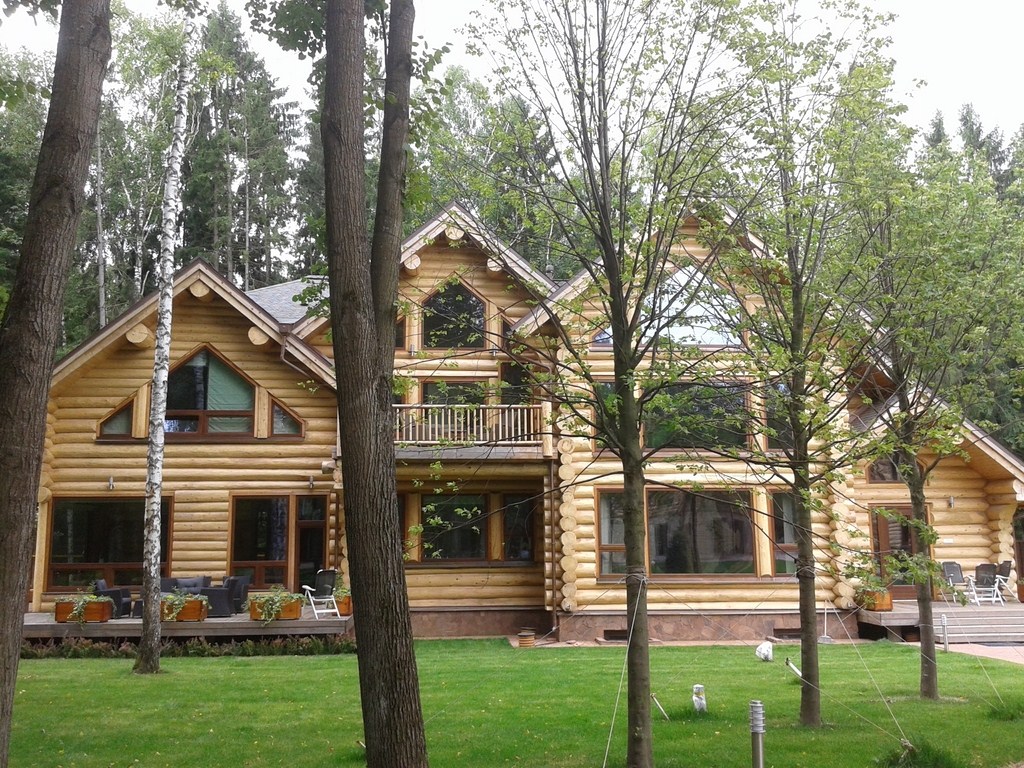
column 921, row 754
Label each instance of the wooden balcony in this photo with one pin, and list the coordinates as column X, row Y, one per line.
column 474, row 431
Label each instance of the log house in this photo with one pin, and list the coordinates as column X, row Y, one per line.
column 510, row 512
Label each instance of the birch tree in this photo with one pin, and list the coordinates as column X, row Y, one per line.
column 31, row 322
column 148, row 659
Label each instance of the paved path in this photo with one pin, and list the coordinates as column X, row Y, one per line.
column 1012, row 653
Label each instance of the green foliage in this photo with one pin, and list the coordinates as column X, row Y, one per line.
column 921, row 754
column 270, row 603
column 86, row 648
column 172, row 604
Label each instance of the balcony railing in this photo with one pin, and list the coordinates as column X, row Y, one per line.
column 474, row 425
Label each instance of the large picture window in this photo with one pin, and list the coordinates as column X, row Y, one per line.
column 474, row 528
column 689, row 533
column 453, row 318
column 207, row 396
column 454, row 527
column 697, row 416
column 94, row 539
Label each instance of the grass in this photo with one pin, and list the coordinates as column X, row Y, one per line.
column 487, row 704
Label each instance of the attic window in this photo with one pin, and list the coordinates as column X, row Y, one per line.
column 453, row 318
column 119, row 424
column 207, row 396
column 282, row 422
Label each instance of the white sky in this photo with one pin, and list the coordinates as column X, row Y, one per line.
column 965, row 50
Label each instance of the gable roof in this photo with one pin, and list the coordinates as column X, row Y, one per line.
column 197, row 276
column 465, row 223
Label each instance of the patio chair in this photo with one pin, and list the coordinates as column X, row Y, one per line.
column 321, row 595
column 122, row 598
column 982, row 587
column 1003, row 577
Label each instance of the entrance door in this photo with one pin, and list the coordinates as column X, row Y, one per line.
column 310, row 539
column 892, row 534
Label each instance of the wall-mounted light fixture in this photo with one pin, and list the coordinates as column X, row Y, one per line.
column 311, row 482
column 110, row 483
column 951, row 502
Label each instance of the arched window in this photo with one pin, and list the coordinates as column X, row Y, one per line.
column 453, row 318
column 207, row 396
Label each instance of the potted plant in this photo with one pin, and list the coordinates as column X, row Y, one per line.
column 83, row 607
column 343, row 598
column 275, row 604
column 182, row 606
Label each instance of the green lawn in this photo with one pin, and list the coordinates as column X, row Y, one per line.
column 487, row 704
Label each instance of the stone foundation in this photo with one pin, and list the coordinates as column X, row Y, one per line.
column 472, row 622
column 703, row 627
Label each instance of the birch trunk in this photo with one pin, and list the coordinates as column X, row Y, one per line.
column 32, row 322
column 148, row 660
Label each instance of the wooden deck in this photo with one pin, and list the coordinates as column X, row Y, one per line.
column 963, row 623
column 42, row 626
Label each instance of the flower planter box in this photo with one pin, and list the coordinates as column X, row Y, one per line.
column 344, row 605
column 97, row 611
column 875, row 601
column 290, row 610
column 193, row 610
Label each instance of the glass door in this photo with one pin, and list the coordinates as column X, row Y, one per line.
column 310, row 539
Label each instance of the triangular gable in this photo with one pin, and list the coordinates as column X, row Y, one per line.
column 455, row 219
column 200, row 279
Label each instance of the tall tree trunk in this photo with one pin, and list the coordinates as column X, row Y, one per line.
column 101, row 240
column 31, row 323
column 148, row 659
column 363, row 285
column 915, row 479
column 639, row 744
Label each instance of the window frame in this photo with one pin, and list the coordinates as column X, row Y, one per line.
column 782, row 551
column 203, row 416
column 744, row 503
column 427, row 344
column 106, row 569
column 742, row 388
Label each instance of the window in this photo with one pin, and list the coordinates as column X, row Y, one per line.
column 780, row 431
column 454, row 392
column 282, row 423
column 690, row 308
column 784, row 528
column 613, row 534
column 884, row 471
column 695, row 416
column 259, row 541
column 705, row 532
column 206, row 396
column 454, row 527
column 101, row 539
column 118, row 425
column 472, row 528
column 453, row 317
column 400, row 332
column 518, row 527
column 689, row 533
column 311, row 536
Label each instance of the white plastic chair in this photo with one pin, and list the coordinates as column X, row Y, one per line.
column 321, row 595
